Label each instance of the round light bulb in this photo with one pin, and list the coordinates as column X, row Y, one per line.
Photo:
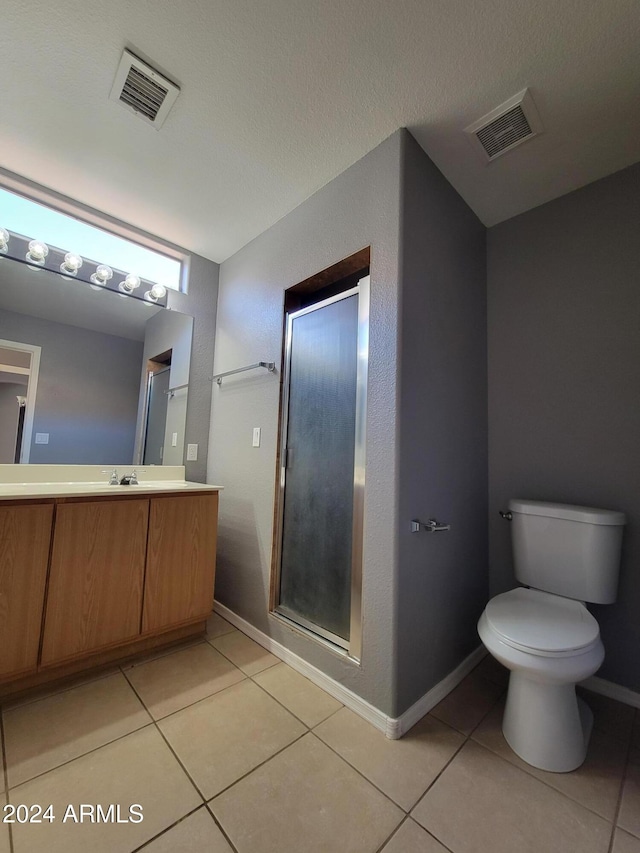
column 158, row 291
column 72, row 263
column 102, row 274
column 4, row 239
column 130, row 283
column 38, row 251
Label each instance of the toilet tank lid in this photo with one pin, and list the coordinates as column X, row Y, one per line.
column 586, row 514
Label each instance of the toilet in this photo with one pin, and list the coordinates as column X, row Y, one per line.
column 543, row 633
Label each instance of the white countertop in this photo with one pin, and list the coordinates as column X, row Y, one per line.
column 63, row 481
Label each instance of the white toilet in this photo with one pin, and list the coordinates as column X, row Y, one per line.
column 566, row 555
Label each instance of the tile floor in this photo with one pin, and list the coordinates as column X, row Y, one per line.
column 228, row 749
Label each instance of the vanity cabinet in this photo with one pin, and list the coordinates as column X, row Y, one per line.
column 182, row 533
column 25, row 533
column 97, row 576
column 85, row 581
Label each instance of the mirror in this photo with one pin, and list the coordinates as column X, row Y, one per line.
column 76, row 367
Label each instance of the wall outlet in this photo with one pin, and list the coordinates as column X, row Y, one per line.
column 256, row 437
column 174, row 439
column 192, row 452
column 42, row 438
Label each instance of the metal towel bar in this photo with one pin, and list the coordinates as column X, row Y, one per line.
column 268, row 365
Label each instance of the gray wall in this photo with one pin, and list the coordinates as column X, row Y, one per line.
column 564, row 378
column 442, row 583
column 359, row 208
column 200, row 301
column 88, row 389
column 167, row 330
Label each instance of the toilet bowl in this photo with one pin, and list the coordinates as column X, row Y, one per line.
column 549, row 644
column 566, row 555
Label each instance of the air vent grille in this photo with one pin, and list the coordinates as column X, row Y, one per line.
column 142, row 94
column 142, row 89
column 504, row 132
column 509, row 125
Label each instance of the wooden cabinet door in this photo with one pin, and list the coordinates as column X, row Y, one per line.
column 97, row 573
column 25, row 534
column 181, row 560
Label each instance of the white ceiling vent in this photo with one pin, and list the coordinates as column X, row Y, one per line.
column 144, row 91
column 509, row 125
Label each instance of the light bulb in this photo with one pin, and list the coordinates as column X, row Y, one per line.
column 71, row 264
column 102, row 275
column 130, row 283
column 4, row 239
column 38, row 251
column 156, row 292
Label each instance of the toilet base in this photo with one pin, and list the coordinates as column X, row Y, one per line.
column 547, row 725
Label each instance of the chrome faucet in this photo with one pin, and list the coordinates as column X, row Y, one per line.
column 113, row 479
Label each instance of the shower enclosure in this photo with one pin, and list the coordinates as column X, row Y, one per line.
column 322, row 470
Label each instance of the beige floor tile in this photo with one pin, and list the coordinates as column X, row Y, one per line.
column 305, row 799
column 197, row 833
column 155, row 654
column 492, row 670
column 58, row 686
column 244, row 653
column 629, row 817
column 625, row 843
column 170, row 683
column 595, row 785
column 303, row 698
column 138, row 768
column 483, row 804
column 411, row 838
column 402, row 768
column 225, row 736
column 51, row 731
column 471, row 700
column 217, row 626
column 609, row 716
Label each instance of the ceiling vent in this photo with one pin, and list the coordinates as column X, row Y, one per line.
column 512, row 123
column 144, row 91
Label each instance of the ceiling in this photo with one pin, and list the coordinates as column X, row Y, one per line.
column 279, row 97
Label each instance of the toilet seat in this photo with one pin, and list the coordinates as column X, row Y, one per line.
column 542, row 624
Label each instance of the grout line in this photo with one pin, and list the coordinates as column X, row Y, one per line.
column 221, row 828
column 393, row 832
column 625, row 771
column 6, row 775
column 81, row 680
column 82, row 755
column 162, row 735
column 270, row 666
column 167, row 828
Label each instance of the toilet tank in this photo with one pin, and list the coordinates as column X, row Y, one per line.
column 567, row 550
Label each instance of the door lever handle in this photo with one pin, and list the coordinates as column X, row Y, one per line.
column 431, row 526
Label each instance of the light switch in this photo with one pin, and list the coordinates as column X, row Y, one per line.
column 256, row 436
column 42, row 438
column 192, row 452
column 174, row 439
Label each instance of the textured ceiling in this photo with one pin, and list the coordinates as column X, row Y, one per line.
column 279, row 97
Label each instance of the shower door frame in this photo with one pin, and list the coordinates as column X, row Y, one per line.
column 352, row 647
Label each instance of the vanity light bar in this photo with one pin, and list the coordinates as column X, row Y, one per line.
column 37, row 255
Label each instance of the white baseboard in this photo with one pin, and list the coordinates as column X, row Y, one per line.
column 393, row 727
column 612, row 690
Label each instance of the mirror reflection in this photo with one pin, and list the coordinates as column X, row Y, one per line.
column 88, row 376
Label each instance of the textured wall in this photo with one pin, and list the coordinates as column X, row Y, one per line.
column 87, row 391
column 564, row 378
column 442, row 585
column 357, row 209
column 200, row 301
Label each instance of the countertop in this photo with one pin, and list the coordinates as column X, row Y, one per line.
column 13, row 491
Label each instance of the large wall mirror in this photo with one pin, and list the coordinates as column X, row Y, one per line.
column 87, row 375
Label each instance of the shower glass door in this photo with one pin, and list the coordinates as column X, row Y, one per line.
column 322, row 475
